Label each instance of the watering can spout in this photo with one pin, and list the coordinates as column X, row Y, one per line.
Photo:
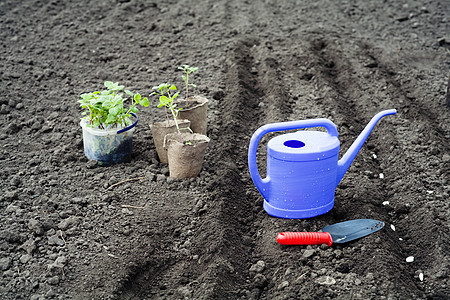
column 346, row 160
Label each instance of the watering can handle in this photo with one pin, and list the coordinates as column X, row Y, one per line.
column 263, row 184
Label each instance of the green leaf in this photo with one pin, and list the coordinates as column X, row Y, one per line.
column 97, row 105
column 117, row 99
column 114, row 86
column 184, row 77
column 114, row 110
column 107, row 104
column 176, row 95
column 172, row 87
column 109, row 84
column 164, row 99
column 137, row 97
column 134, row 109
column 111, row 119
column 129, row 93
column 161, row 86
column 106, row 97
column 86, row 96
column 145, row 102
column 193, row 85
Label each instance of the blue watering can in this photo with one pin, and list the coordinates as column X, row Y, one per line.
column 303, row 169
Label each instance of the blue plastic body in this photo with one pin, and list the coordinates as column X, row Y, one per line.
column 303, row 169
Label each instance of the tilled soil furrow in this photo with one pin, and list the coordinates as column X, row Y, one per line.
column 228, row 236
column 216, row 272
column 415, row 117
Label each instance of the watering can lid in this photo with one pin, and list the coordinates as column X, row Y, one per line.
column 303, row 146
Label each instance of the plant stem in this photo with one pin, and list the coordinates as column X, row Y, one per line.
column 187, row 85
column 174, row 114
column 167, row 115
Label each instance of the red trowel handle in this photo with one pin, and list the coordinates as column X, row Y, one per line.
column 304, row 238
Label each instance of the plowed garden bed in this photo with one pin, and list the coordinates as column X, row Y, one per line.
column 69, row 232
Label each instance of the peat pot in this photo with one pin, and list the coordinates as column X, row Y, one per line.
column 303, row 168
column 160, row 130
column 108, row 146
column 195, row 109
column 185, row 153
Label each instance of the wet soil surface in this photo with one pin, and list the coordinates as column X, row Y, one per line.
column 73, row 230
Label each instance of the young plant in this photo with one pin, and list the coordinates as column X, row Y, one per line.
column 167, row 94
column 105, row 109
column 187, row 71
column 165, row 90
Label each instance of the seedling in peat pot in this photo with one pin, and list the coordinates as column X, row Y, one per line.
column 187, row 71
column 166, row 100
column 105, row 109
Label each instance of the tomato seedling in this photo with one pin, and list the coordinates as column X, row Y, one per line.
column 187, row 71
column 167, row 94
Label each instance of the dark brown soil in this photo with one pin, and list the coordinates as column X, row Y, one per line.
column 68, row 232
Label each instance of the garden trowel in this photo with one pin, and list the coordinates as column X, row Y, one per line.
column 337, row 233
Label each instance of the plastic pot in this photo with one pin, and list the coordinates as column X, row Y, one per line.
column 108, row 146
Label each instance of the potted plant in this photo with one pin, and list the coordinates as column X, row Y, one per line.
column 167, row 95
column 107, row 124
column 185, row 150
column 194, row 107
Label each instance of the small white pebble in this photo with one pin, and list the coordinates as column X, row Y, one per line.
column 374, row 156
column 421, row 276
column 385, row 203
column 410, row 259
column 400, row 239
column 392, row 227
column 381, row 176
column 430, row 192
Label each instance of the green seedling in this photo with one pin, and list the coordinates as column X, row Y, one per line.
column 105, row 109
column 187, row 71
column 167, row 94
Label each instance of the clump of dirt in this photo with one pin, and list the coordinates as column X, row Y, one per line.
column 73, row 230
